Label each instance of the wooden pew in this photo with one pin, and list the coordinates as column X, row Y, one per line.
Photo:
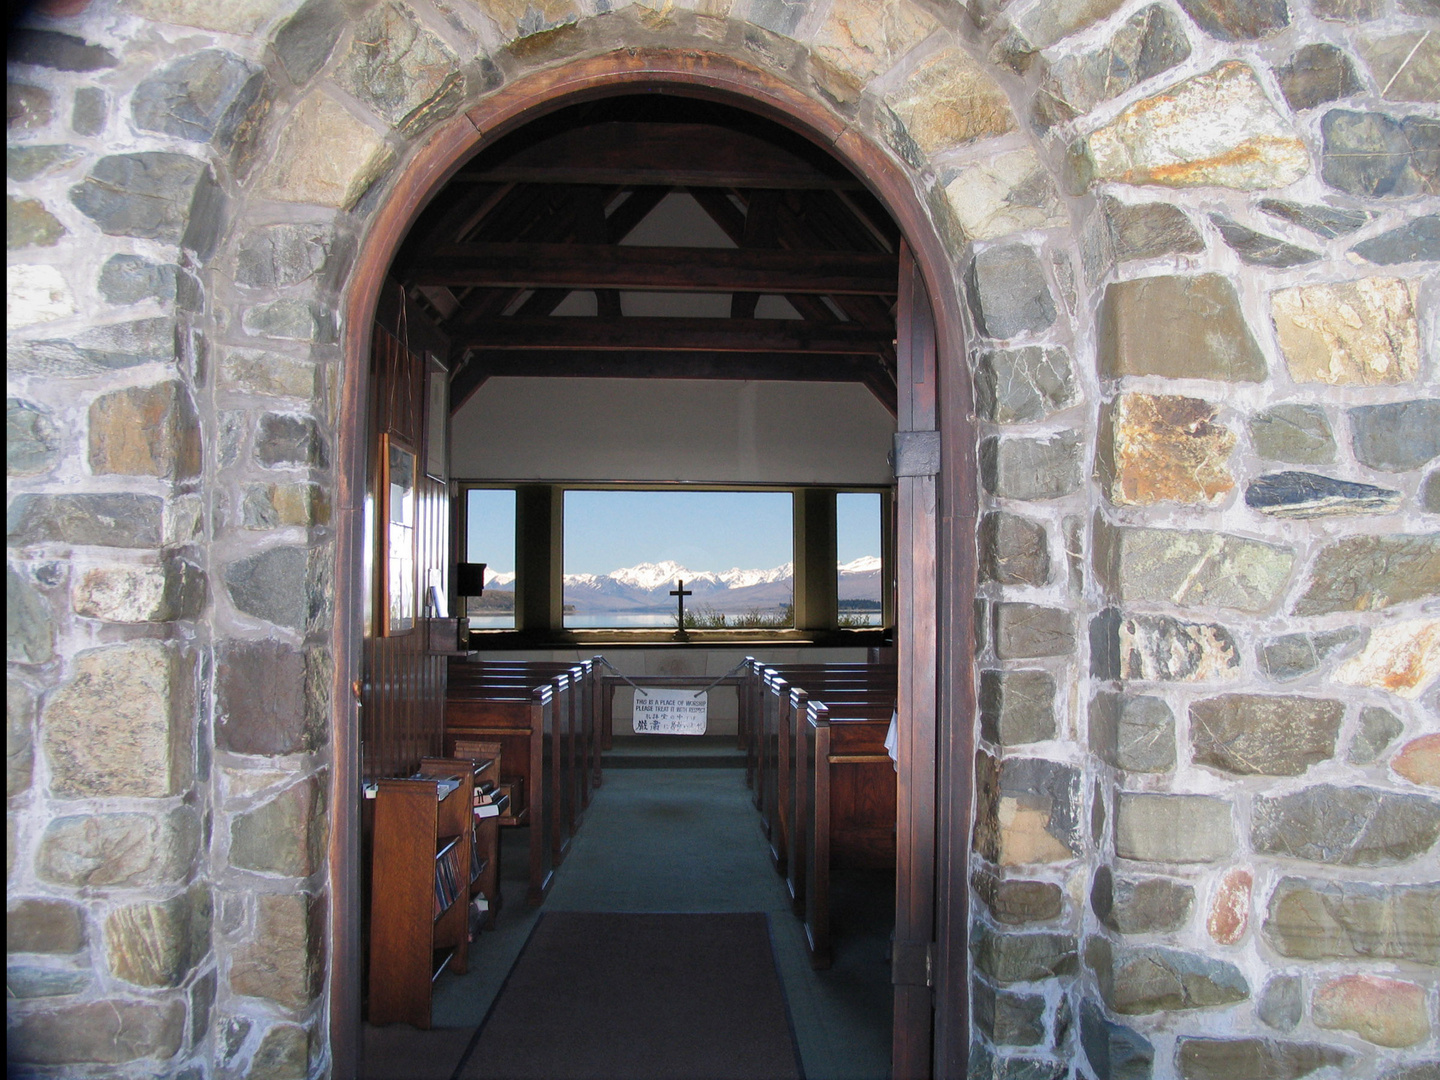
column 851, row 820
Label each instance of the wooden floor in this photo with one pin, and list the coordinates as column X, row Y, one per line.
column 677, row 839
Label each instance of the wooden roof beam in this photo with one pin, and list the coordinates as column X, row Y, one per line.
column 672, row 335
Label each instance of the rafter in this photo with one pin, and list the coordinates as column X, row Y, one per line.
column 672, row 334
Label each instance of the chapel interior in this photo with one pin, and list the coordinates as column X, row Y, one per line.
column 639, row 292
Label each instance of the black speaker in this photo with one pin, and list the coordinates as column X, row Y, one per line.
column 469, row 579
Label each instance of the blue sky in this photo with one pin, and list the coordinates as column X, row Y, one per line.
column 703, row 530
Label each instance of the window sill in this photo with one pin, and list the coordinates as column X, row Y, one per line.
column 868, row 637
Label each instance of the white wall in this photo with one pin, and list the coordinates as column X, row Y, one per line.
column 672, row 430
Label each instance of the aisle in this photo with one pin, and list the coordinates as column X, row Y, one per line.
column 684, row 840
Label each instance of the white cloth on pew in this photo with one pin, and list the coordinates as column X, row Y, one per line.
column 892, row 740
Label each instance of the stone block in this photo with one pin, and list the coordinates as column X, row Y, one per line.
column 1282, row 1003
column 1015, row 901
column 1376, row 730
column 61, row 52
column 123, row 725
column 1217, row 128
column 44, row 926
column 859, row 39
column 1028, row 811
column 1401, row 657
column 27, row 108
column 284, row 960
column 1007, row 1018
column 1354, row 333
column 32, row 440
column 1190, row 568
column 1418, row 240
column 28, row 981
column 104, row 1032
column 1413, row 1070
column 1151, row 979
column 1419, row 761
column 130, row 279
column 242, row 17
column 28, row 224
column 1048, row 467
column 283, row 1054
column 305, row 41
column 1317, row 73
column 1158, row 648
column 1013, row 550
column 121, row 850
column 1397, row 436
column 36, row 294
column 279, row 256
column 1291, row 656
column 1151, row 41
column 1380, row 156
column 1345, row 826
column 1178, row 328
column 98, row 351
column 172, row 589
column 1004, row 193
column 1140, row 905
column 284, row 440
column 1406, row 67
column 1017, row 707
column 1238, row 20
column 290, row 320
column 1258, row 734
column 1260, row 249
column 271, row 585
column 1137, row 231
column 145, row 431
column 1022, row 631
column 1305, row 495
column 1133, row 732
column 1007, row 292
column 157, row 944
column 88, row 115
column 113, row 520
column 1114, row 1051
column 1227, row 1059
column 1429, row 495
column 1230, row 908
column 1367, row 573
column 1334, row 920
column 285, row 835
column 1298, row 434
column 324, row 156
column 275, row 506
column 1326, row 221
column 1011, row 958
column 29, row 625
column 1158, row 448
column 950, row 100
column 26, row 163
column 148, row 195
column 273, row 374
column 203, row 97
column 1153, row 827
column 19, row 737
column 1029, row 383
column 1389, row 1012
column 262, row 705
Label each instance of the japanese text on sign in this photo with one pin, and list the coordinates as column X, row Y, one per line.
column 670, row 712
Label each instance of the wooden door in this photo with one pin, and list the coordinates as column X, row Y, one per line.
column 917, row 466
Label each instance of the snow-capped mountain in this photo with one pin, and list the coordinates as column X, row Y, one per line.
column 648, row 585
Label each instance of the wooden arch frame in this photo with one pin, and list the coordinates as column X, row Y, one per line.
column 933, row 894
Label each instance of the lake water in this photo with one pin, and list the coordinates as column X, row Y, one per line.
column 650, row 620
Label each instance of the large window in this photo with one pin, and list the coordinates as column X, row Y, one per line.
column 490, row 538
column 859, row 580
column 626, row 552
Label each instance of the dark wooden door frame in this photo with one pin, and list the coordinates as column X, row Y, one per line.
column 937, row 890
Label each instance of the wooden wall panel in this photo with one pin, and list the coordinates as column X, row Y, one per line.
column 402, row 715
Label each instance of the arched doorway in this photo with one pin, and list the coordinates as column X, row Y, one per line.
column 935, row 512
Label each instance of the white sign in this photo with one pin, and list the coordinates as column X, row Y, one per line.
column 670, row 712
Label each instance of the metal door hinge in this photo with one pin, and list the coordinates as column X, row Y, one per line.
column 913, row 963
column 917, row 453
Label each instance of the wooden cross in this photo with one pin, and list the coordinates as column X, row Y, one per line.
column 681, row 592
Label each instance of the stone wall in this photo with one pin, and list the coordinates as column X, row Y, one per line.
column 1197, row 244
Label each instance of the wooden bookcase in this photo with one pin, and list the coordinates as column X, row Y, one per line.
column 417, row 927
column 482, row 762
